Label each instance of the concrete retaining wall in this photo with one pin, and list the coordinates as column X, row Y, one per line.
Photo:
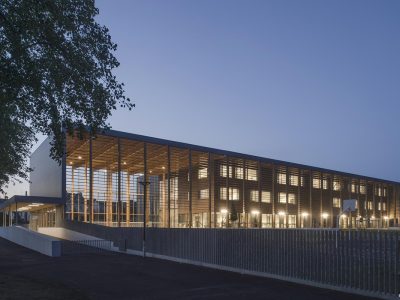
column 32, row 240
column 66, row 234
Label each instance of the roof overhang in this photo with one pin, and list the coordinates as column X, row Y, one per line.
column 29, row 203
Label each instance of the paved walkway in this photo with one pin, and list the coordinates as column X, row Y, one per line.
column 119, row 276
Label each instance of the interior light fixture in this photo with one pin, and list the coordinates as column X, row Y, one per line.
column 325, row 215
column 281, row 213
column 224, row 211
column 255, row 212
column 304, row 214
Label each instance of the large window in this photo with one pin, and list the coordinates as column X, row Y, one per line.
column 336, row 185
column 266, row 220
column 223, row 170
column 292, row 221
column 325, row 184
column 354, row 188
column 363, row 189
column 203, row 194
column 370, row 205
column 251, row 174
column 292, row 198
column 294, row 180
column 316, row 183
column 233, row 194
column 336, row 202
column 265, row 196
column 203, row 173
column 282, row 197
column 281, row 178
column 239, row 173
column 254, row 195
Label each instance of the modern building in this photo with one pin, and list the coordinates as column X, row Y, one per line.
column 122, row 179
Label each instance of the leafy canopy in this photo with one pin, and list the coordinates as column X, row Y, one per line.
column 56, row 71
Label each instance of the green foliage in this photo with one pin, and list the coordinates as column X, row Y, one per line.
column 56, row 66
column 234, row 214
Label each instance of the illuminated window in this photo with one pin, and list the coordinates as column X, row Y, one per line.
column 316, row 183
column 281, row 178
column 203, row 194
column 251, row 174
column 378, row 191
column 282, row 197
column 325, row 184
column 370, row 205
column 222, row 171
column 294, row 180
column 291, row 198
column 266, row 197
column 336, row 185
column 384, row 192
column 353, row 188
column 302, row 181
column 383, row 205
column 292, row 221
column 254, row 196
column 336, row 202
column 202, row 173
column 363, row 189
column 379, row 206
column 266, row 221
column 233, row 194
column 239, row 173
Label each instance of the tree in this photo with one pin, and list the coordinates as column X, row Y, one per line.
column 234, row 214
column 56, row 71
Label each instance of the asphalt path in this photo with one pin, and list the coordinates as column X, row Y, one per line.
column 25, row 274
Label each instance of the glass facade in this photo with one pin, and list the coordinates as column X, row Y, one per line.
column 125, row 180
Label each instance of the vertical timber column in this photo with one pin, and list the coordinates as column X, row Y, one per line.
column 273, row 195
column 128, row 199
column 259, row 195
column 72, row 197
column 330, row 186
column 245, row 216
column 321, row 188
column 91, row 206
column 119, row 209
column 287, row 197
column 64, row 177
column 144, row 195
column 227, row 192
column 311, row 206
column 190, row 188
column 380, row 204
column 299, row 218
column 85, row 193
column 374, row 203
column 210, row 191
column 169, row 185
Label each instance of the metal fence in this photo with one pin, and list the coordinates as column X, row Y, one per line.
column 359, row 261
column 85, row 246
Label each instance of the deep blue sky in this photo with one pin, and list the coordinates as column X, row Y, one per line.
column 313, row 82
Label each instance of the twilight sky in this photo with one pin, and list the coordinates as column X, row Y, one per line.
column 312, row 82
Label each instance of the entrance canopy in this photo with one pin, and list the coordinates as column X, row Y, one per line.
column 28, row 203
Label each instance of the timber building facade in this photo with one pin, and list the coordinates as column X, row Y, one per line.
column 122, row 179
